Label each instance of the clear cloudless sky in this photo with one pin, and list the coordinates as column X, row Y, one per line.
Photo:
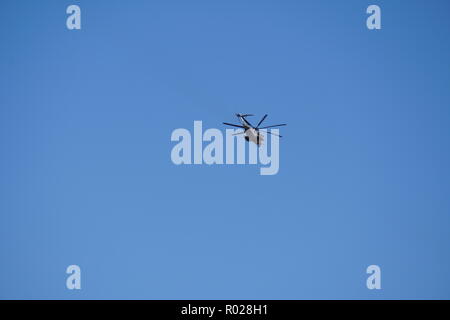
column 86, row 176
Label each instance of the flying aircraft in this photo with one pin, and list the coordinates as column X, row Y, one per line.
column 252, row 133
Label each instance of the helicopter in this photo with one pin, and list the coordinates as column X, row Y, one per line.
column 252, row 133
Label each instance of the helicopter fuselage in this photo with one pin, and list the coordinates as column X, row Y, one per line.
column 250, row 133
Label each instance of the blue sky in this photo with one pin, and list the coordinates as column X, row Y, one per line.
column 86, row 175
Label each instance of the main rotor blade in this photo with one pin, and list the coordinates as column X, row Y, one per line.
column 265, row 116
column 235, row 134
column 274, row 134
column 234, row 125
column 248, row 122
column 275, row 125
